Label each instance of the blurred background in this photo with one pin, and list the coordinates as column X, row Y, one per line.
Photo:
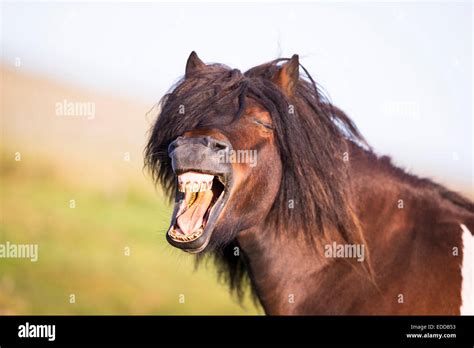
column 79, row 87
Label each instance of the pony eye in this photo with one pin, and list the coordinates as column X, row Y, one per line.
column 266, row 125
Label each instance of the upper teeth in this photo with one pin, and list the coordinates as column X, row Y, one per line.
column 194, row 182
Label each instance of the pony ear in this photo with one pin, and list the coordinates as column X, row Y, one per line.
column 193, row 64
column 287, row 75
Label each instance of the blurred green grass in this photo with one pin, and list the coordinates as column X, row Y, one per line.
column 82, row 250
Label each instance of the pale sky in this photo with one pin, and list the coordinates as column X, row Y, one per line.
column 402, row 71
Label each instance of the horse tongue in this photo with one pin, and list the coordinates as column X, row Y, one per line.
column 190, row 221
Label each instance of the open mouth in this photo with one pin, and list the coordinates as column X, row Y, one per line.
column 199, row 202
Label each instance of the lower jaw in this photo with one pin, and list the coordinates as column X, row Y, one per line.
column 194, row 242
column 194, row 246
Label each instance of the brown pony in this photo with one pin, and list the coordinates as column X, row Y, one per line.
column 279, row 186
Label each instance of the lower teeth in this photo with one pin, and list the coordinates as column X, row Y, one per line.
column 184, row 237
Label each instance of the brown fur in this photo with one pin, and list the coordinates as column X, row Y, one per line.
column 301, row 159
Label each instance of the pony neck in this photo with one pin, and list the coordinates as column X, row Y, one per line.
column 279, row 266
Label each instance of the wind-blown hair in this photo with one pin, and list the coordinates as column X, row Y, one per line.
column 311, row 136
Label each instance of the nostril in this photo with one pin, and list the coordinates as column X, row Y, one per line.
column 173, row 144
column 214, row 144
column 208, row 141
column 219, row 145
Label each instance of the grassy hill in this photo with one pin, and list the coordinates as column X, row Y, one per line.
column 110, row 250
